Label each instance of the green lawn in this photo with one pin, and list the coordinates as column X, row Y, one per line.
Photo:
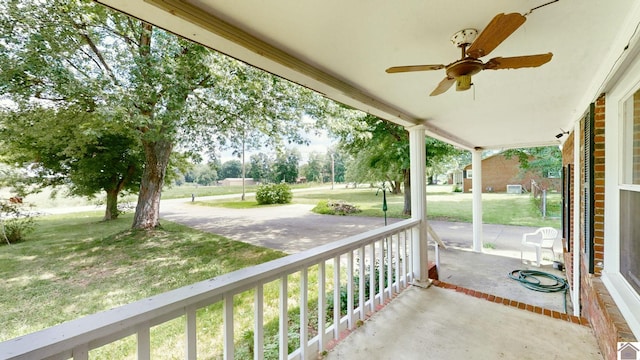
column 507, row 209
column 76, row 265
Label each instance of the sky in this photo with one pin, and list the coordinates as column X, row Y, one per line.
column 317, row 143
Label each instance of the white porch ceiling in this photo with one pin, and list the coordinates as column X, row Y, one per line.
column 341, row 49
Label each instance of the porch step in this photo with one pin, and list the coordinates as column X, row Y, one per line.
column 520, row 305
column 433, row 271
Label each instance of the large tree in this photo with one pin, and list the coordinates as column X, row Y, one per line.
column 546, row 161
column 259, row 167
column 74, row 148
column 166, row 89
column 380, row 152
column 285, row 166
column 231, row 169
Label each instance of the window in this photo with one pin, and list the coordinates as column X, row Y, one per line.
column 553, row 174
column 468, row 174
column 631, row 141
column 630, row 193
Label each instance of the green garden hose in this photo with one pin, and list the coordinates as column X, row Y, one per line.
column 531, row 280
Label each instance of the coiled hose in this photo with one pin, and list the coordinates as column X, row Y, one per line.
column 531, row 280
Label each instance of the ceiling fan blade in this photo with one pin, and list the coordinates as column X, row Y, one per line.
column 495, row 33
column 397, row 69
column 517, row 62
column 443, row 86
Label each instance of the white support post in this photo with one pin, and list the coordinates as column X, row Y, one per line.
column 476, row 186
column 577, row 195
column 418, row 157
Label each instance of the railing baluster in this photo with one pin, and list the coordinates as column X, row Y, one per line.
column 322, row 306
column 389, row 286
column 361, row 279
column 372, row 276
column 258, row 323
column 227, row 309
column 283, row 337
column 336, row 297
column 81, row 352
column 304, row 312
column 350, row 290
column 404, row 260
column 381, row 271
column 144, row 342
column 190, row 332
column 412, row 256
column 396, row 256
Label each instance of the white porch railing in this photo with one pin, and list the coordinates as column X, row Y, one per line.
column 391, row 245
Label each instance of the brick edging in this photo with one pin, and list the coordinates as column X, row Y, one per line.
column 516, row 304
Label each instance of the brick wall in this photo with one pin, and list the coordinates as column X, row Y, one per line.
column 598, row 179
column 597, row 305
column 567, row 158
column 498, row 172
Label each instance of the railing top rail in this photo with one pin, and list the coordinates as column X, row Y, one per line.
column 67, row 336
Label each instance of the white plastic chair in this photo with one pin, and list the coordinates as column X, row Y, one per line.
column 543, row 238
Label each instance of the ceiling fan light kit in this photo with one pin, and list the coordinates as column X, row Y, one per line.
column 473, row 47
column 463, row 82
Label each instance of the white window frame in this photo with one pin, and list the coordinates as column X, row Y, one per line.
column 625, row 297
column 469, row 174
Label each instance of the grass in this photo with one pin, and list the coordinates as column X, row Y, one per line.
column 76, row 265
column 442, row 204
column 48, row 199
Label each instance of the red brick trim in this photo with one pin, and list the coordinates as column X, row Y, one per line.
column 516, row 304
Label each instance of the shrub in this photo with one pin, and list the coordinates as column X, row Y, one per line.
column 274, row 194
column 335, row 207
column 15, row 223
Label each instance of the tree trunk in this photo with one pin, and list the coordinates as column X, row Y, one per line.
column 111, row 212
column 157, row 154
column 406, row 174
column 395, row 187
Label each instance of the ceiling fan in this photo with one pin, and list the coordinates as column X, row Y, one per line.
column 460, row 71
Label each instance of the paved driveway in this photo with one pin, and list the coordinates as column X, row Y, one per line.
column 289, row 228
column 293, row 228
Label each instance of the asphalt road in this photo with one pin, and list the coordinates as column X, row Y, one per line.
column 294, row 228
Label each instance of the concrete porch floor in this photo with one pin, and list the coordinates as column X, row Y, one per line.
column 441, row 323
column 487, row 272
column 438, row 323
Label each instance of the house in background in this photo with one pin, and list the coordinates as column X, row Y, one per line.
column 499, row 171
column 237, row 181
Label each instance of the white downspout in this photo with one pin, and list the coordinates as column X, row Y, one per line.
column 476, row 185
column 418, row 160
column 575, row 250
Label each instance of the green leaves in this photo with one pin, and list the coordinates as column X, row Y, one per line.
column 159, row 90
column 544, row 161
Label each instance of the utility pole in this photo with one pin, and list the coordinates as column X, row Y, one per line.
column 333, row 171
column 243, row 167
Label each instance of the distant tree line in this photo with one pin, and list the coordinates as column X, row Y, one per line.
column 281, row 167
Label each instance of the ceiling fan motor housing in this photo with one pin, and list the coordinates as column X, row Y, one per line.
column 466, row 66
